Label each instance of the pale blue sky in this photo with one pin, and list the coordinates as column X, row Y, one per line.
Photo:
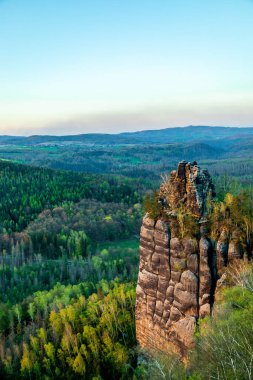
column 116, row 65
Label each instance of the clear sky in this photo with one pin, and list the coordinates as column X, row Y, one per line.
column 77, row 66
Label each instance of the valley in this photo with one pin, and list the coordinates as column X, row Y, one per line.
column 70, row 219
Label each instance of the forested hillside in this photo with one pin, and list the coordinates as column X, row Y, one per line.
column 221, row 150
column 69, row 255
column 52, row 223
column 68, row 247
column 166, row 135
column 25, row 191
column 126, row 190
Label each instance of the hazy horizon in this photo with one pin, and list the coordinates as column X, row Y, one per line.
column 111, row 67
column 125, row 131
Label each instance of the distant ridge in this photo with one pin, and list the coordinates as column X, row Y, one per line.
column 190, row 133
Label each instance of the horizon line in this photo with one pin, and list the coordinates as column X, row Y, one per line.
column 126, row 132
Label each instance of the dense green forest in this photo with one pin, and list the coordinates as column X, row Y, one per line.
column 133, row 161
column 25, row 191
column 70, row 331
column 69, row 244
column 144, row 154
column 69, row 264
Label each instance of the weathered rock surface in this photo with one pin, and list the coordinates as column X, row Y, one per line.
column 189, row 186
column 178, row 274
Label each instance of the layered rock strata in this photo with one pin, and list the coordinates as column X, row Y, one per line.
column 177, row 274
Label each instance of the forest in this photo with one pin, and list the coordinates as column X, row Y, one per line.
column 126, row 190
column 145, row 154
column 69, row 263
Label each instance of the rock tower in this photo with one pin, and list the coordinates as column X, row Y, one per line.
column 177, row 273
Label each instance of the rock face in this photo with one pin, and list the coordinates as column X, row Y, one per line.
column 188, row 186
column 177, row 274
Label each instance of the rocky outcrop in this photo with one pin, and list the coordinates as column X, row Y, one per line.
column 187, row 186
column 178, row 270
